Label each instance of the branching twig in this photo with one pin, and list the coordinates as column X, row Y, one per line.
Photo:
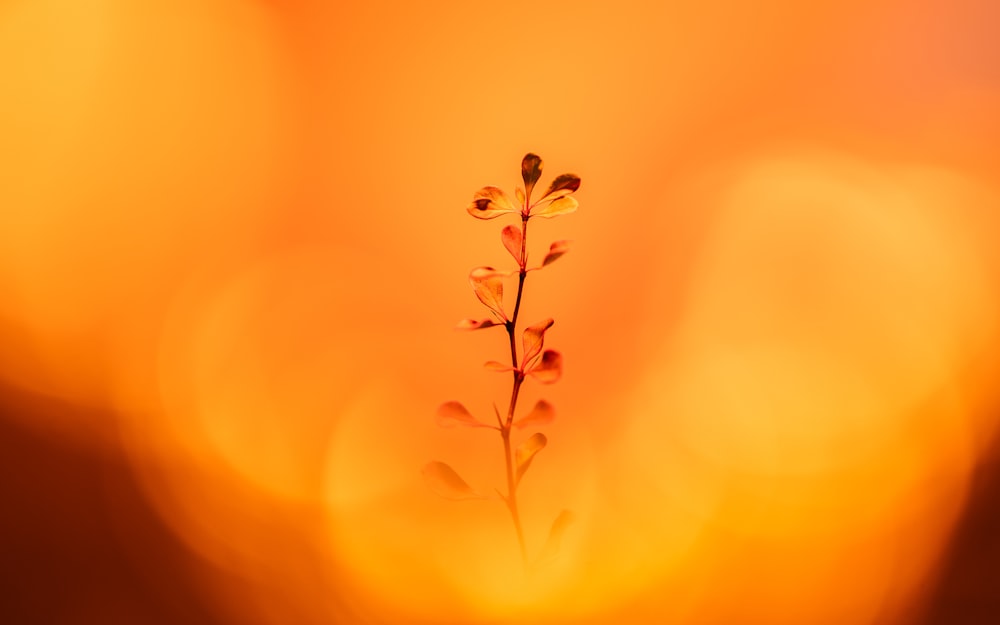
column 543, row 365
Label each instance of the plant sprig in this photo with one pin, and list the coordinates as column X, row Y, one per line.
column 543, row 365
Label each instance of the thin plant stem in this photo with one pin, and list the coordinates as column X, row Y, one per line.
column 512, row 484
column 545, row 366
column 518, row 379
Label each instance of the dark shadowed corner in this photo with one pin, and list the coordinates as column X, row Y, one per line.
column 968, row 592
column 63, row 558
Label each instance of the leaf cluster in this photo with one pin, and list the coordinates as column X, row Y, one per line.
column 536, row 362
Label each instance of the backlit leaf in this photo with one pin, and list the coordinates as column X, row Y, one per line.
column 526, row 451
column 531, row 171
column 452, row 413
column 490, row 202
column 561, row 206
column 533, row 339
column 541, row 414
column 511, row 237
column 556, row 250
column 444, row 481
column 498, row 366
column 519, row 194
column 563, row 185
column 476, row 324
column 549, row 369
column 556, row 532
column 487, row 283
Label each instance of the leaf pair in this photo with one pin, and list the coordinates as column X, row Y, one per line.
column 452, row 414
column 512, row 238
column 444, row 481
column 447, row 483
column 490, row 202
column 545, row 366
column 556, row 200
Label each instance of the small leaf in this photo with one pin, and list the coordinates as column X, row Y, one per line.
column 526, row 452
column 499, row 367
column 511, row 237
column 476, row 324
column 531, row 171
column 562, row 186
column 556, row 250
column 551, row 547
column 487, row 283
column 519, row 194
column 443, row 480
column 541, row 414
column 563, row 205
column 549, row 369
column 490, row 202
column 533, row 339
column 452, row 413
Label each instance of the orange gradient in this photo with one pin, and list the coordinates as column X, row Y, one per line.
column 234, row 245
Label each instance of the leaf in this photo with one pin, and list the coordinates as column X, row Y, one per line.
column 476, row 324
column 511, row 237
column 561, row 206
column 443, row 480
column 499, row 367
column 556, row 250
column 531, row 171
column 549, row 369
column 490, row 202
column 551, row 546
column 452, row 413
column 526, row 451
column 533, row 339
column 541, row 414
column 487, row 283
column 563, row 185
column 519, row 194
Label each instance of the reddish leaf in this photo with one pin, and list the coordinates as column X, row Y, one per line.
column 531, row 171
column 563, row 205
column 487, row 283
column 562, row 186
column 476, row 324
column 490, row 202
column 533, row 339
column 541, row 414
column 511, row 237
column 499, row 367
column 526, row 451
column 444, row 481
column 549, row 369
column 452, row 413
column 556, row 250
column 551, row 547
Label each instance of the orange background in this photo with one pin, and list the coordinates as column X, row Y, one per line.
column 233, row 246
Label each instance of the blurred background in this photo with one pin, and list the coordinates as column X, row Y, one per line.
column 233, row 246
